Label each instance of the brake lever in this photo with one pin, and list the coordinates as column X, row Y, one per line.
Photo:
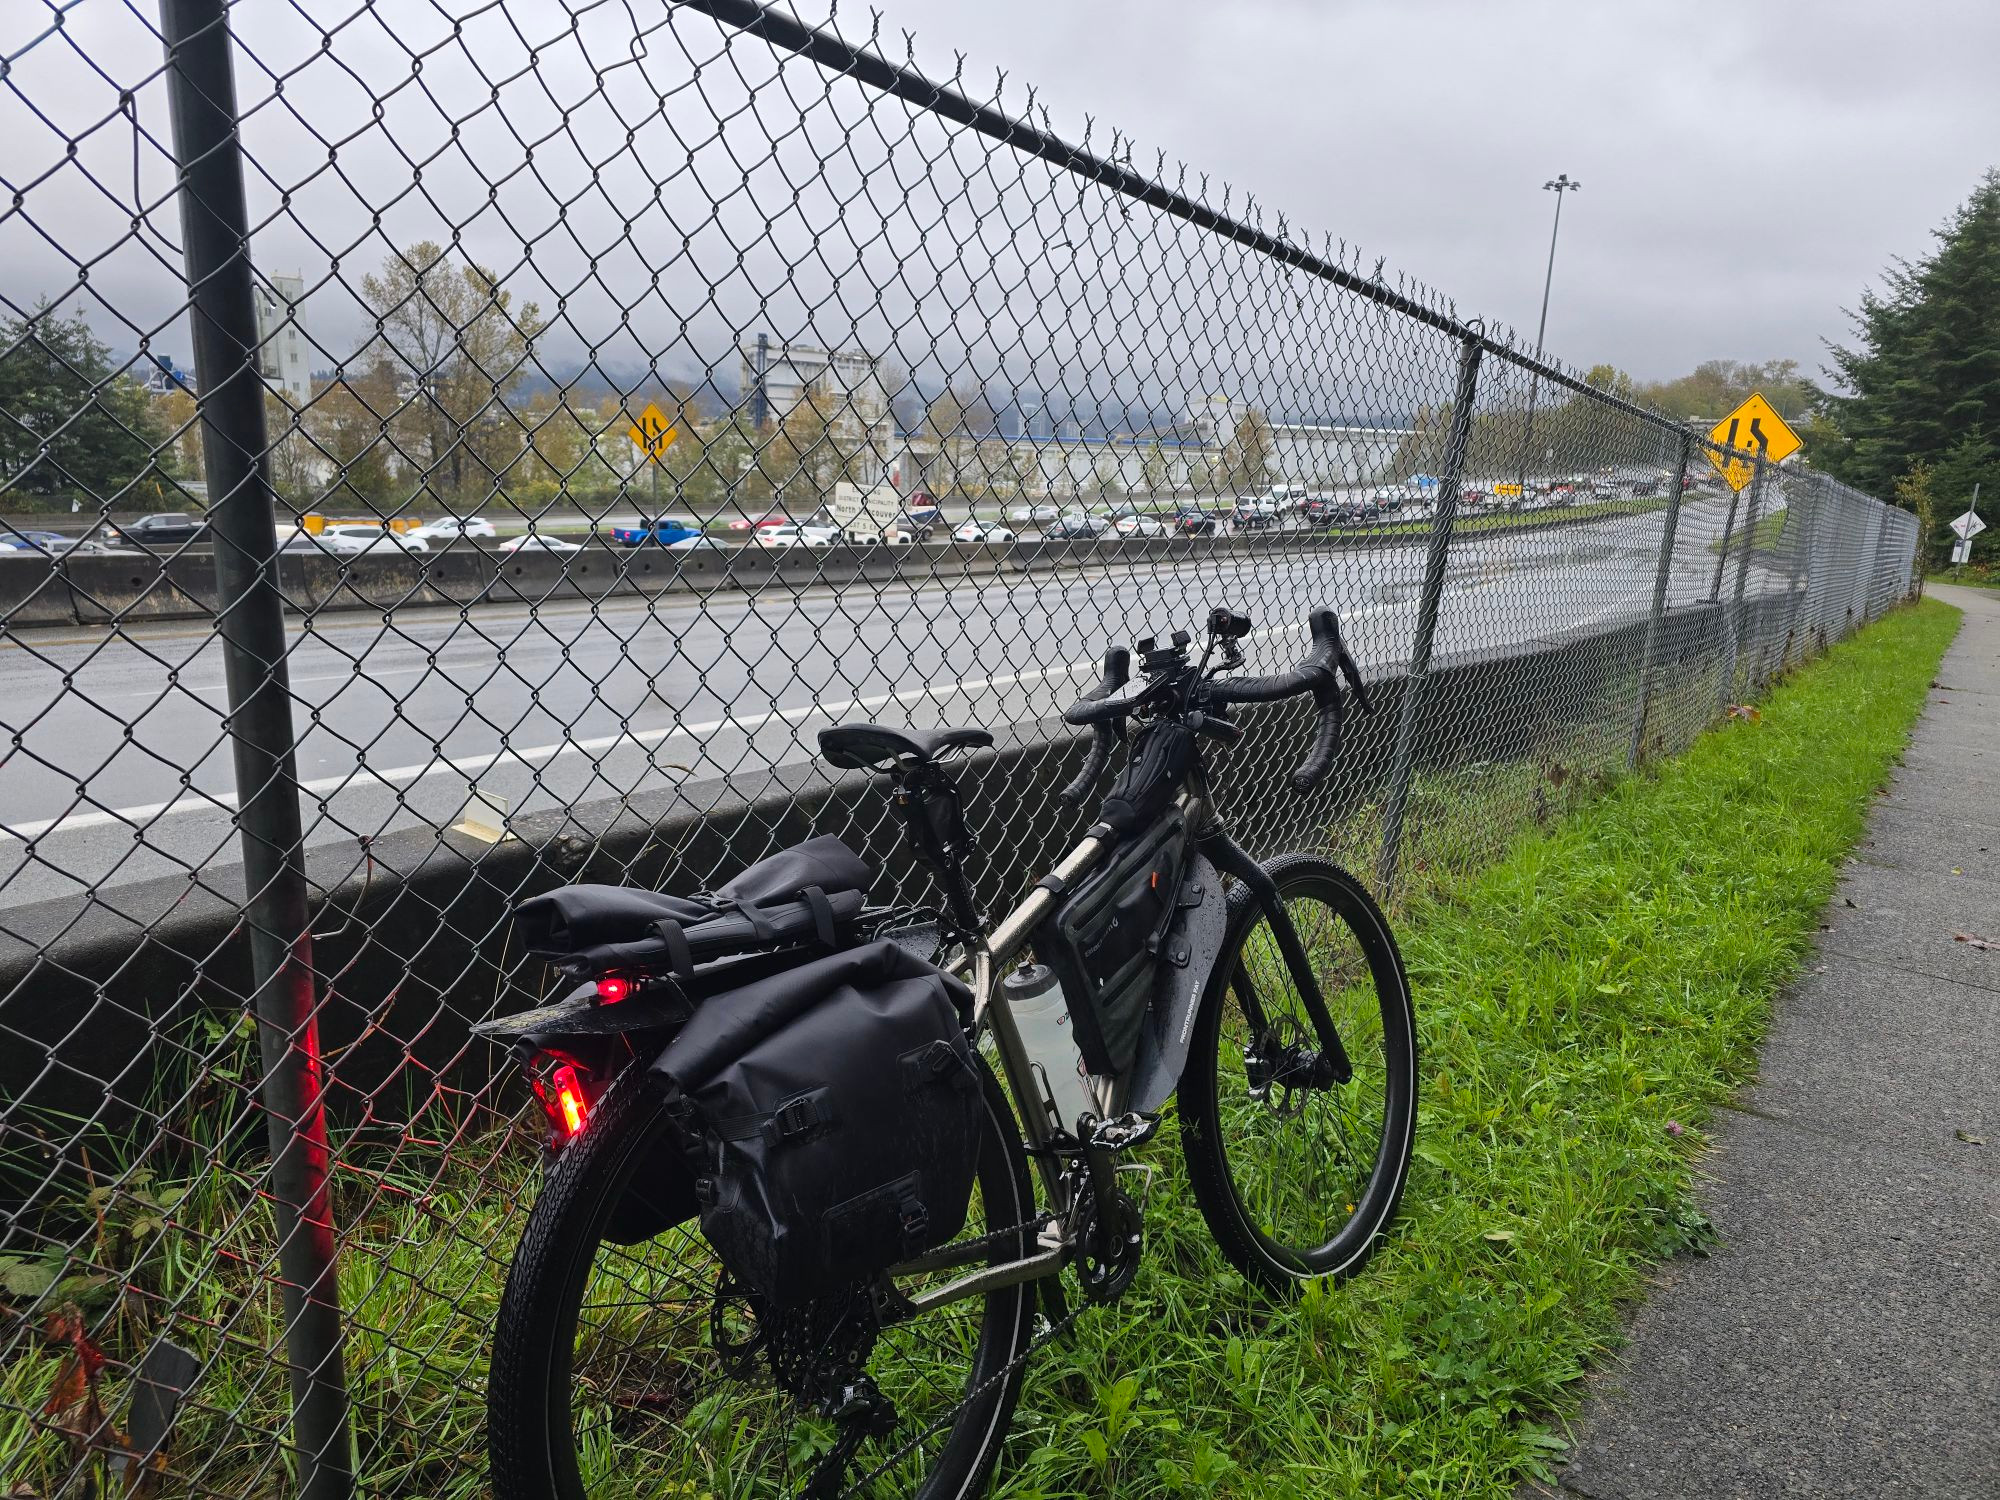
column 1326, row 631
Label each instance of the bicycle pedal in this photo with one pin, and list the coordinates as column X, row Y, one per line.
column 1122, row 1132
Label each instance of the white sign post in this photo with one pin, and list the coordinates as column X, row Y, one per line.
column 1968, row 526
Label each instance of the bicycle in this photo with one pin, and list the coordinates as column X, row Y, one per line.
column 1279, row 1019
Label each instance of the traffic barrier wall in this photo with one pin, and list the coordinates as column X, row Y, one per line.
column 138, row 586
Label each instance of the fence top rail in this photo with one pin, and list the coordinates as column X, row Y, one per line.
column 903, row 81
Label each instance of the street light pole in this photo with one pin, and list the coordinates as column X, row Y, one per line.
column 1559, row 185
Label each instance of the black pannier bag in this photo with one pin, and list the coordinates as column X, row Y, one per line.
column 1103, row 941
column 834, row 1113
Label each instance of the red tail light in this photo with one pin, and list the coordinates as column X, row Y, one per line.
column 572, row 1108
column 611, row 991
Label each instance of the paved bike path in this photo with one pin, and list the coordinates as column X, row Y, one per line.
column 1844, row 1338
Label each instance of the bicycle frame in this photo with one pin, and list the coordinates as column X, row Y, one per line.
column 992, row 1011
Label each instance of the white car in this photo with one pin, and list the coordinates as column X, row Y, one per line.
column 374, row 537
column 696, row 544
column 1033, row 513
column 789, row 535
column 991, row 532
column 443, row 531
column 328, row 543
column 1136, row 525
column 534, row 542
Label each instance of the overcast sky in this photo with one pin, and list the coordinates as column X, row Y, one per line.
column 1747, row 167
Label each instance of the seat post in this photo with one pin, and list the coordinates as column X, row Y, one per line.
column 926, row 799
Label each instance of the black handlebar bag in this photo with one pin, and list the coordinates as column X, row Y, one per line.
column 834, row 1113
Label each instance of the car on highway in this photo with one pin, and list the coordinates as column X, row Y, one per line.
column 48, row 542
column 698, row 543
column 1138, row 525
column 662, row 531
column 1025, row 515
column 773, row 517
column 1358, row 511
column 322, row 545
column 1254, row 515
column 788, row 535
column 534, row 541
column 472, row 527
column 176, row 526
column 1079, row 528
column 379, row 538
column 1199, row 523
column 990, row 532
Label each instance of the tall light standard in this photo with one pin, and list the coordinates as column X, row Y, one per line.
column 1560, row 185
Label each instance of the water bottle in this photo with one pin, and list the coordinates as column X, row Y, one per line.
column 1035, row 999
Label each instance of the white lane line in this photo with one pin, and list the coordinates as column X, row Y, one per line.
column 473, row 765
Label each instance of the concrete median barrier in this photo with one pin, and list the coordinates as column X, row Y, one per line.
column 106, row 590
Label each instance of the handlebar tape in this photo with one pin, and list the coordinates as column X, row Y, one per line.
column 1117, row 672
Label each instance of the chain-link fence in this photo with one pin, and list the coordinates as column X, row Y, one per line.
column 588, row 402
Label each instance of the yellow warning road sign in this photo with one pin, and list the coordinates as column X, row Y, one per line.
column 653, row 434
column 1754, row 425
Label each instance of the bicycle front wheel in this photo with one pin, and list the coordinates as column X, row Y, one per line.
column 637, row 1369
column 1298, row 1176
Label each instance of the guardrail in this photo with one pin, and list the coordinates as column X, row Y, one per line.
column 257, row 1176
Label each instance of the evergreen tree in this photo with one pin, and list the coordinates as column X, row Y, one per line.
column 1922, row 383
column 70, row 425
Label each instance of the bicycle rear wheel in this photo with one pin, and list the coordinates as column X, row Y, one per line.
column 1299, row 1178
column 620, row 1370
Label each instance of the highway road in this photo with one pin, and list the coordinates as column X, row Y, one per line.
column 567, row 703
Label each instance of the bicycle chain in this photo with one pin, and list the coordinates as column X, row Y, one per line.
column 1047, row 1336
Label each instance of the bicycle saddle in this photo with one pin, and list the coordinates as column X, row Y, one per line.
column 855, row 747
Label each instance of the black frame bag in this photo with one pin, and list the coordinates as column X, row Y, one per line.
column 1104, row 942
column 834, row 1110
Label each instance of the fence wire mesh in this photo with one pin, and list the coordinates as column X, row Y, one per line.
column 636, row 389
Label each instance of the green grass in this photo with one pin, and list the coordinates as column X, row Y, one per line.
column 1975, row 577
column 1512, row 520
column 1764, row 537
column 1603, row 979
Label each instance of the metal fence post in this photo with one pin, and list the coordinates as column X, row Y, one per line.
column 1857, row 606
column 1722, row 552
column 1801, row 503
column 1450, row 467
column 1660, row 579
column 1733, row 614
column 1752, row 514
column 215, row 228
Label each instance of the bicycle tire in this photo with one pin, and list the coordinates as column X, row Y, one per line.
column 1216, row 1093
column 532, row 1449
